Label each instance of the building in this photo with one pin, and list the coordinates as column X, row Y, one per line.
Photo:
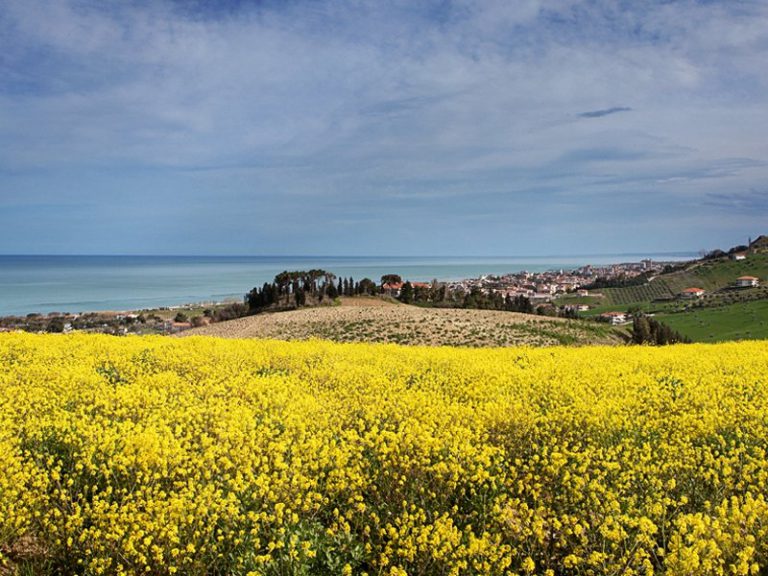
column 576, row 307
column 747, row 282
column 739, row 256
column 692, row 293
column 392, row 289
column 614, row 317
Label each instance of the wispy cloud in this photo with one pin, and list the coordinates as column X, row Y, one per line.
column 239, row 118
column 753, row 201
column 605, row 112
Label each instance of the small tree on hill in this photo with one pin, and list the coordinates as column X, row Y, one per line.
column 406, row 293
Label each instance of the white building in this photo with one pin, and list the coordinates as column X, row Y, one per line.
column 692, row 293
column 747, row 282
column 614, row 317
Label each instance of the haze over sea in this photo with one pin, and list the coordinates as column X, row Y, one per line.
column 91, row 283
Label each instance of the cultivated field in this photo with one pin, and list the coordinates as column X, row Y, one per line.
column 211, row 457
column 375, row 320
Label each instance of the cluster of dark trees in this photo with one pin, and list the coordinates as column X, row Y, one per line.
column 439, row 295
column 304, row 287
column 476, row 298
column 717, row 253
column 646, row 330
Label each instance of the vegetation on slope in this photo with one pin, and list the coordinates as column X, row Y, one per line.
column 711, row 275
column 356, row 320
column 741, row 321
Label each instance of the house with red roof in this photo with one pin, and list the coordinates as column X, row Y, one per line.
column 747, row 282
column 692, row 293
column 614, row 317
column 392, row 289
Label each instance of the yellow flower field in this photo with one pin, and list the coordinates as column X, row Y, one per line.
column 204, row 456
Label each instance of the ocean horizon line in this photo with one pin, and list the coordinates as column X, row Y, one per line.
column 348, row 256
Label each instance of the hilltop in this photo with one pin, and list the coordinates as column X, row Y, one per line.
column 377, row 320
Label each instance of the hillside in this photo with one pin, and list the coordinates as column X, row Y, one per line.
column 711, row 275
column 739, row 321
column 375, row 320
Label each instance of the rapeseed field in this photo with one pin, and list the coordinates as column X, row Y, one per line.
column 212, row 457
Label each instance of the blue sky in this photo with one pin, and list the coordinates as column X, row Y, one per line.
column 384, row 128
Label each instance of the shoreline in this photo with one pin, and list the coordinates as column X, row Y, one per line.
column 89, row 284
column 230, row 300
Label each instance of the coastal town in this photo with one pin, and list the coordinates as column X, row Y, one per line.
column 539, row 288
column 543, row 287
column 613, row 293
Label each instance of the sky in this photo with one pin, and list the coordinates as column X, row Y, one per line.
column 365, row 127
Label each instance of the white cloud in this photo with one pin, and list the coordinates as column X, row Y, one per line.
column 341, row 99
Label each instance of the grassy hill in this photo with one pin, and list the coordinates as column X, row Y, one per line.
column 374, row 320
column 724, row 313
column 743, row 321
column 711, row 275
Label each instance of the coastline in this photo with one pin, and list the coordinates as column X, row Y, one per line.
column 539, row 288
column 44, row 284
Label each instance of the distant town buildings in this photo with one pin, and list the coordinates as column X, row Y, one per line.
column 543, row 287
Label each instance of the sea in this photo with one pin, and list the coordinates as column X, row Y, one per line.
column 44, row 284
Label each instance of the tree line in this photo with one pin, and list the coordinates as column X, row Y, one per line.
column 293, row 289
column 299, row 288
column 646, row 330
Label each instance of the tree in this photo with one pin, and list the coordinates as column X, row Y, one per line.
column 56, row 324
column 198, row 321
column 180, row 317
column 641, row 330
column 300, row 296
column 391, row 279
column 406, row 293
column 367, row 286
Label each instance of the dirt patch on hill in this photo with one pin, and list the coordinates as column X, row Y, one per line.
column 359, row 321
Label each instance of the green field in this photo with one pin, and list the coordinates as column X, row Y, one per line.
column 744, row 321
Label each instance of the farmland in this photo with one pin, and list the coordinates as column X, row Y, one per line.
column 376, row 320
column 710, row 275
column 206, row 456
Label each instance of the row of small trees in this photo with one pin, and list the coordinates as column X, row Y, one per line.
column 440, row 295
column 300, row 288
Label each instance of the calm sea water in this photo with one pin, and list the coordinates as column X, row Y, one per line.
column 90, row 283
